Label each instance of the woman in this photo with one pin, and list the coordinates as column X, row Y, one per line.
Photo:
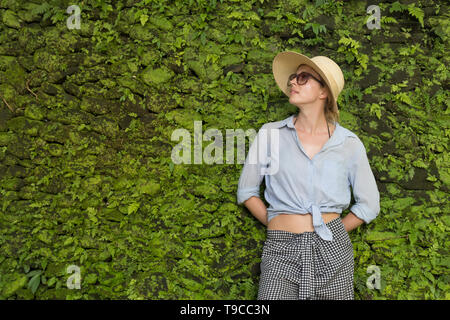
column 309, row 166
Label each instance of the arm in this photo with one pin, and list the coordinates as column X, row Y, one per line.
column 365, row 191
column 351, row 221
column 258, row 209
column 251, row 177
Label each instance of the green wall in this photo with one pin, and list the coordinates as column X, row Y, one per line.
column 86, row 118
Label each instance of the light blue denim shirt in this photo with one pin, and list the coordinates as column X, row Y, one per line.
column 296, row 184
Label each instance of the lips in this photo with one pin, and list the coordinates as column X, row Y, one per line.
column 293, row 91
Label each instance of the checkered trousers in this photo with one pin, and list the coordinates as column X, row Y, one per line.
column 305, row 266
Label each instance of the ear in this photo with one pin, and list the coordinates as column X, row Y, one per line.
column 324, row 94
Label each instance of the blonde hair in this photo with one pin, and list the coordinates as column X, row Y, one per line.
column 331, row 113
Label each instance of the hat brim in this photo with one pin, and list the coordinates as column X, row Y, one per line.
column 286, row 63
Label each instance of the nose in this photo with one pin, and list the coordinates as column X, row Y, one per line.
column 294, row 87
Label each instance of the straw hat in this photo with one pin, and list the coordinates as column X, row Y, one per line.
column 287, row 62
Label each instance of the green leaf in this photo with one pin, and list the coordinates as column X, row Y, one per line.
column 416, row 13
column 68, row 241
column 40, row 9
column 34, row 282
column 419, row 163
column 51, row 281
column 34, row 273
column 44, row 264
column 412, row 237
column 429, row 276
column 143, row 19
column 151, row 187
column 133, row 207
column 378, row 235
column 397, row 7
column 403, row 97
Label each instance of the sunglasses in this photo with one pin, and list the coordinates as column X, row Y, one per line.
column 302, row 78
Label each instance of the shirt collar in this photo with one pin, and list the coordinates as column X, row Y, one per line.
column 338, row 136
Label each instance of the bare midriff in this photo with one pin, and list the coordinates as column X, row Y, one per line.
column 298, row 223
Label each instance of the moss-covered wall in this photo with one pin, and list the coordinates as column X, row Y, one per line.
column 86, row 117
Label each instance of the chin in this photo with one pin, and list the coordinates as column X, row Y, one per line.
column 293, row 99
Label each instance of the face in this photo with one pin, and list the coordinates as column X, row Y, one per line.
column 310, row 92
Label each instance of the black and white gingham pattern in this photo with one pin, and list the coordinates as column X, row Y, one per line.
column 305, row 266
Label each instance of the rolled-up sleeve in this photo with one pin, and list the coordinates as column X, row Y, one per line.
column 253, row 170
column 365, row 190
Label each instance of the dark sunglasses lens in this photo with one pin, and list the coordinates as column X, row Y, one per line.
column 292, row 76
column 303, row 77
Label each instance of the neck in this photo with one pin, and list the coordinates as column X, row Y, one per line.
column 313, row 124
